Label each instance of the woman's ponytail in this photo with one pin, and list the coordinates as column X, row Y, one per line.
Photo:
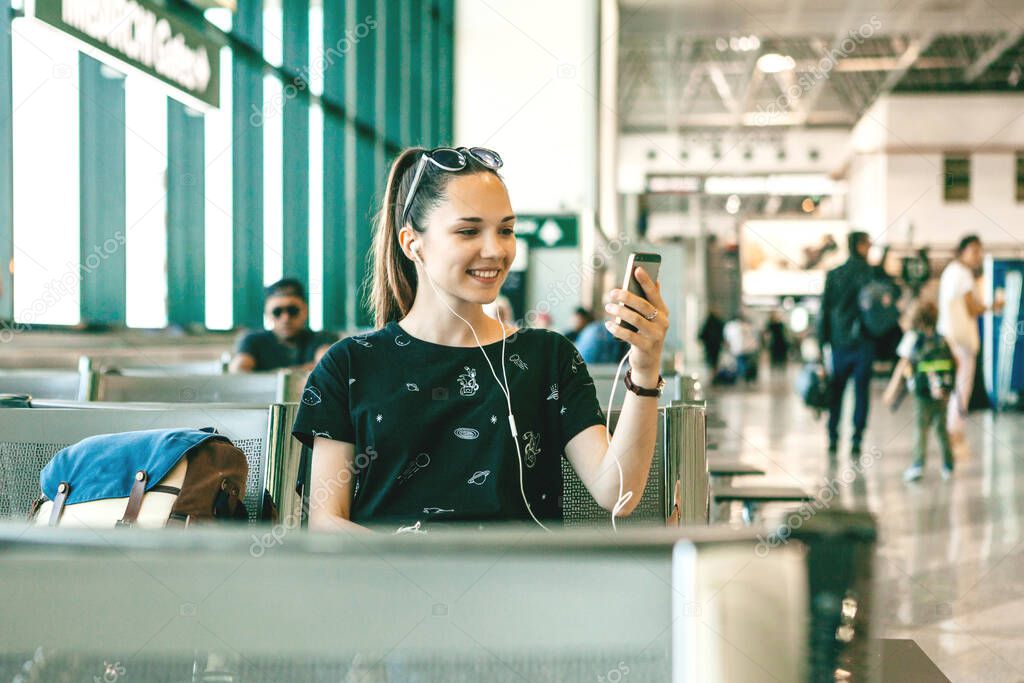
column 394, row 275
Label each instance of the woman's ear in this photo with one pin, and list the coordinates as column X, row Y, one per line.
column 406, row 237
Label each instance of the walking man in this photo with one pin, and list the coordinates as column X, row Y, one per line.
column 852, row 350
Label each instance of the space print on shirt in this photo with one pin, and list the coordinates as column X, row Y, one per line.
column 402, row 340
column 311, row 396
column 422, row 460
column 553, row 396
column 577, row 361
column 468, row 385
column 531, row 449
column 479, row 477
column 362, row 342
column 519, row 362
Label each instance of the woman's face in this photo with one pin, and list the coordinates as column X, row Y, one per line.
column 469, row 242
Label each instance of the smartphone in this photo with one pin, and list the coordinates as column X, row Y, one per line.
column 651, row 264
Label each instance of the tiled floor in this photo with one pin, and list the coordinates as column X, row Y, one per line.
column 950, row 557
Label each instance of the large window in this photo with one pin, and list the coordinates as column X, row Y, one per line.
column 957, row 169
column 145, row 202
column 273, row 148
column 49, row 182
column 219, row 268
column 47, row 276
column 316, row 170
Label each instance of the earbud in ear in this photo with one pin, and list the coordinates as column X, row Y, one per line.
column 415, row 249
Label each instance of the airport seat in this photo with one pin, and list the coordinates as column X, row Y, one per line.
column 752, row 497
column 67, row 385
column 29, row 437
column 706, row 604
column 196, row 367
column 254, row 388
column 678, row 458
column 722, row 470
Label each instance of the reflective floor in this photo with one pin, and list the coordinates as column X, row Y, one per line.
column 950, row 558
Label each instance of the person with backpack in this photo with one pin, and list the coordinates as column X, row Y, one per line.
column 842, row 330
column 928, row 366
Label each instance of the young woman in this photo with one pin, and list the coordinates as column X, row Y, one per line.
column 408, row 424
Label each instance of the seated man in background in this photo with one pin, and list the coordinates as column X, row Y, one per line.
column 597, row 345
column 290, row 343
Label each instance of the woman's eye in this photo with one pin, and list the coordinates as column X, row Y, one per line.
column 508, row 231
column 467, row 231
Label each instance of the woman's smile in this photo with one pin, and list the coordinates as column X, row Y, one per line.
column 487, row 276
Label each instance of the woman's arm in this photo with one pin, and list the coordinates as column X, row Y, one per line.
column 636, row 432
column 633, row 446
column 330, row 495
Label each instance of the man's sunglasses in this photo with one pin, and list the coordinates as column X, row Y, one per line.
column 292, row 311
column 451, row 160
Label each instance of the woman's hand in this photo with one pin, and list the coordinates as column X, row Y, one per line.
column 649, row 339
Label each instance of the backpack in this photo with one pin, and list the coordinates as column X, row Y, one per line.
column 878, row 311
column 152, row 478
column 934, row 368
column 812, row 384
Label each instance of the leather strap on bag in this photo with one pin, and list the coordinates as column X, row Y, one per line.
column 131, row 511
column 63, row 490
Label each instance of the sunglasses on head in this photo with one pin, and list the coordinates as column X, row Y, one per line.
column 292, row 311
column 452, row 160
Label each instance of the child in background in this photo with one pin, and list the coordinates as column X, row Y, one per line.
column 929, row 368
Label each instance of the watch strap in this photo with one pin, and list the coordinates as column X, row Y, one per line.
column 642, row 391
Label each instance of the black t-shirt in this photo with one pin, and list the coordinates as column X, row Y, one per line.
column 271, row 353
column 430, row 427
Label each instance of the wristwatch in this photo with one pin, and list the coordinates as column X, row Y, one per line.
column 640, row 391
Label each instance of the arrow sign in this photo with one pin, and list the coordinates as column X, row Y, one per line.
column 550, row 233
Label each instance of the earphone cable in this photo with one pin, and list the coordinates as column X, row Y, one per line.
column 504, row 389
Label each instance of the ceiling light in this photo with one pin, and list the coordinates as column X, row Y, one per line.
column 732, row 204
column 773, row 63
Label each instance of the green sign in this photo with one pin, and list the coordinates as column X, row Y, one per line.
column 145, row 36
column 548, row 231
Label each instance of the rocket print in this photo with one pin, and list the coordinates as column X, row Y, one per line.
column 467, row 382
column 421, row 461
